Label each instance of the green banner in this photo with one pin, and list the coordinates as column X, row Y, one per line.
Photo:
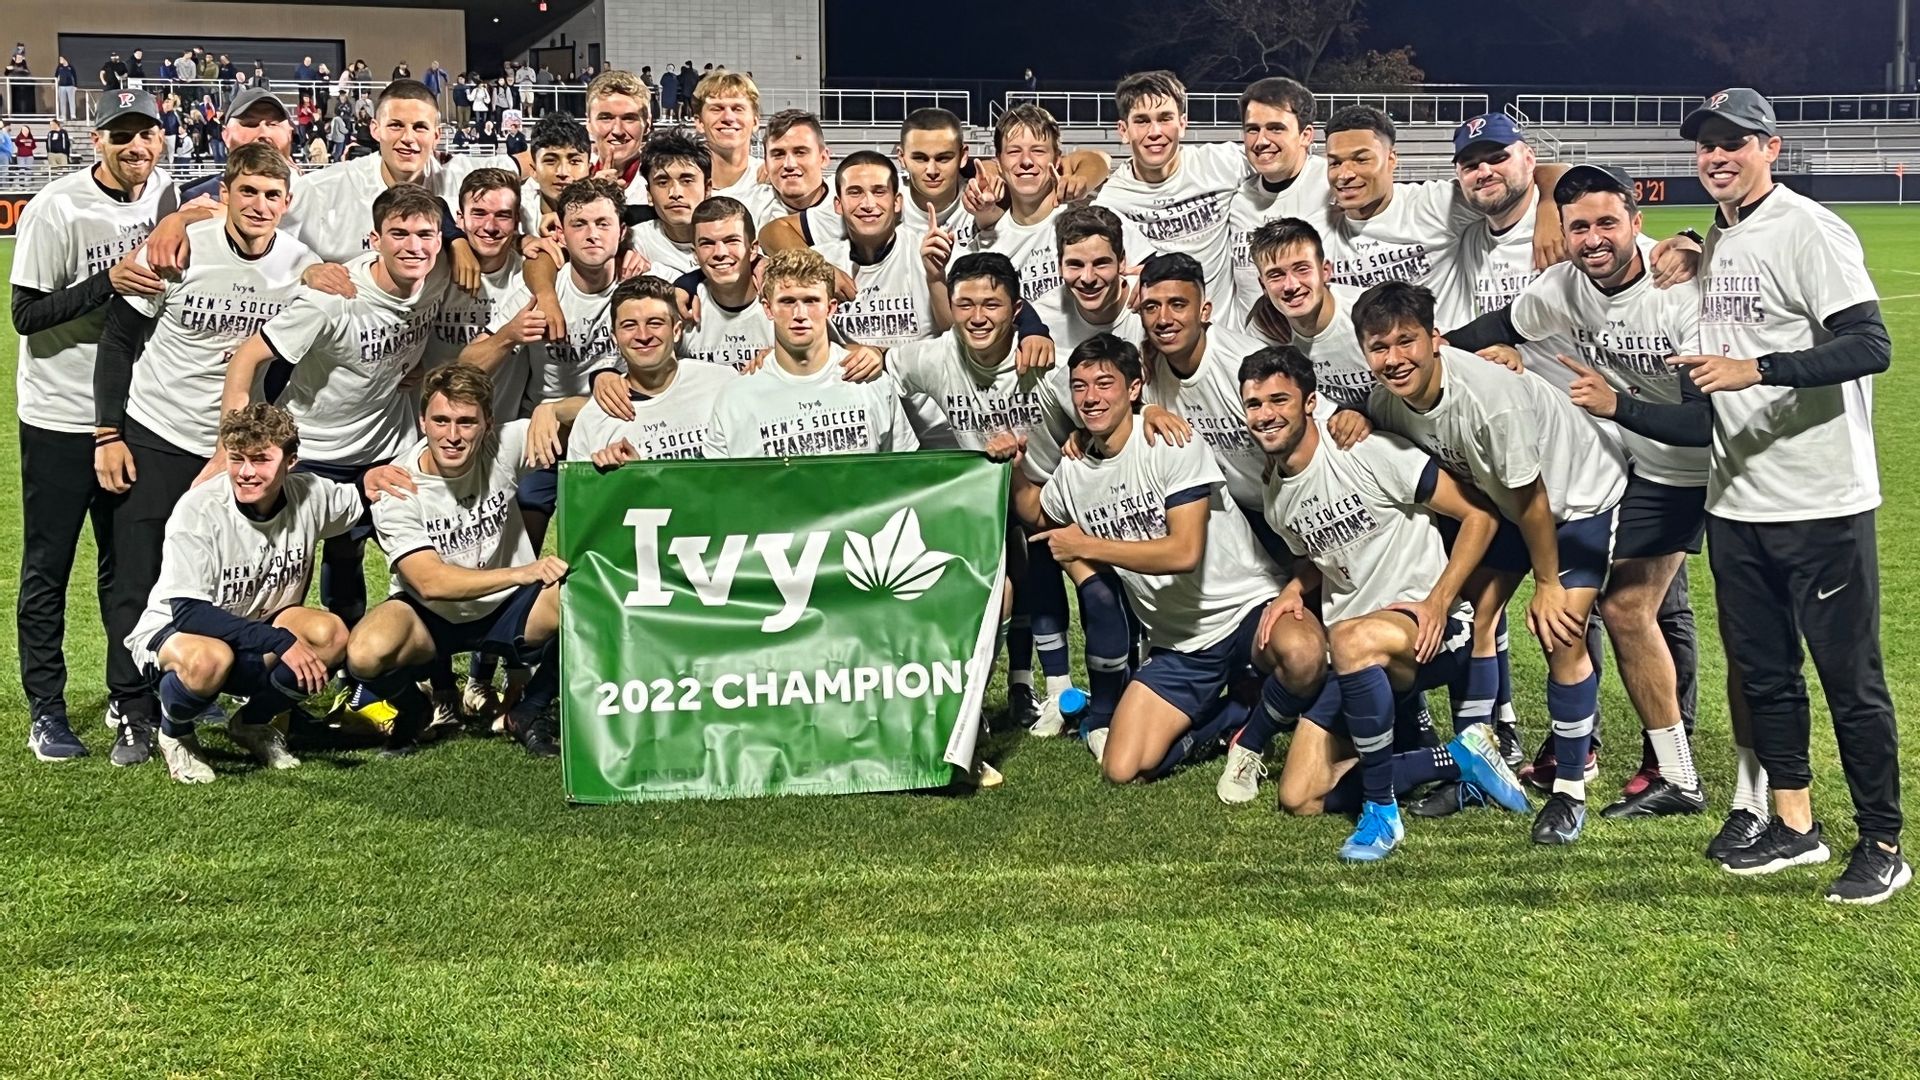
column 767, row 627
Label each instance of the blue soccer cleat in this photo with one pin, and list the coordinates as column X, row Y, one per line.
column 1482, row 766
column 1378, row 833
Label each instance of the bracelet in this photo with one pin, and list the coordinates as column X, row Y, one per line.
column 107, row 440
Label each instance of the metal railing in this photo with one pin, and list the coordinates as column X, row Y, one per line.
column 1639, row 110
column 1084, row 109
column 865, row 108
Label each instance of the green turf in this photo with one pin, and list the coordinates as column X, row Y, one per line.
column 448, row 915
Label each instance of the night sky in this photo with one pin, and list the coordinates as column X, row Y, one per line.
column 1074, row 42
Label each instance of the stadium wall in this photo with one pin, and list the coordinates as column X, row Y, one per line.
column 778, row 40
column 381, row 36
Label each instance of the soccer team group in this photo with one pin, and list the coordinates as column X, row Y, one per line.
column 1299, row 427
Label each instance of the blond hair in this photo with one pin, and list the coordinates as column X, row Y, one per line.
column 722, row 84
column 609, row 83
column 257, row 425
column 796, row 266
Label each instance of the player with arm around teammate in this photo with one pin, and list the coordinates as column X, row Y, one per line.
column 226, row 614
column 1360, row 522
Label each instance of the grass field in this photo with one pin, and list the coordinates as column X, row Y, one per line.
column 449, row 915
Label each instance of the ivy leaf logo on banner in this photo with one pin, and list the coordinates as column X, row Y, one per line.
column 894, row 559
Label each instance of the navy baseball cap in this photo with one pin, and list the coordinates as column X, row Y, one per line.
column 1587, row 176
column 1741, row 106
column 1496, row 128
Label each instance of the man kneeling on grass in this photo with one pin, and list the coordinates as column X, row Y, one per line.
column 465, row 575
column 225, row 616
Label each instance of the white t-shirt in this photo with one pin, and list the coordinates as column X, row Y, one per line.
column 471, row 520
column 1031, row 248
column 242, row 566
column 746, row 188
column 1496, row 269
column 1340, row 372
column 71, row 230
column 1069, row 326
column 464, row 316
column 559, row 369
column 1187, row 212
column 1124, row 497
column 222, row 299
column 349, row 357
column 332, row 208
column 1356, row 514
column 672, row 424
column 671, row 259
column 724, row 335
column 913, row 214
column 1767, row 285
column 1415, row 238
column 978, row 401
column 1304, row 197
column 774, row 413
column 821, row 223
column 1499, row 430
column 893, row 304
column 532, row 207
column 1626, row 337
column 1210, row 401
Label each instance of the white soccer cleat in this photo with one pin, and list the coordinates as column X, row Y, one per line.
column 447, row 715
column 186, row 762
column 1097, row 744
column 1052, row 721
column 264, row 742
column 1240, row 781
column 481, row 701
column 986, row 776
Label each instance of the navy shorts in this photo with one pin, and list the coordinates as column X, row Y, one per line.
column 1456, row 649
column 353, row 476
column 1189, row 681
column 247, row 676
column 1585, row 545
column 1270, row 541
column 540, row 490
column 502, row 632
column 1660, row 519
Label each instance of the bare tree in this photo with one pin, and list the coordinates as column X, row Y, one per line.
column 1238, row 39
column 1371, row 70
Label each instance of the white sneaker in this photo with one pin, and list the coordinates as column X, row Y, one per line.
column 446, row 712
column 986, row 776
column 1097, row 743
column 263, row 741
column 1052, row 721
column 481, row 700
column 1240, row 781
column 186, row 762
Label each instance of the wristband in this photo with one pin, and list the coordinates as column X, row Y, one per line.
column 107, row 440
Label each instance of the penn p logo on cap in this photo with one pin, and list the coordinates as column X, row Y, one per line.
column 1496, row 129
column 127, row 103
column 1741, row 106
column 1475, row 126
column 1717, row 100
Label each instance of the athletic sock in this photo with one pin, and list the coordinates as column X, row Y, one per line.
column 1108, row 645
column 544, row 685
column 1018, row 634
column 1474, row 691
column 1417, row 767
column 482, row 667
column 1503, row 689
column 1345, row 797
column 179, row 705
column 1571, row 709
column 1367, row 703
column 1221, row 716
column 1412, row 725
column 1058, row 684
column 1017, row 677
column 1050, row 641
column 1675, row 755
column 1749, row 784
column 283, row 689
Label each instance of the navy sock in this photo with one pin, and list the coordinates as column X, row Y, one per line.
column 1108, row 645
column 282, row 689
column 1417, row 767
column 482, row 666
column 1571, row 708
column 1052, row 647
column 544, row 686
column 1345, row 798
column 1047, row 587
column 179, row 705
column 1367, row 703
column 1412, row 726
column 1221, row 716
column 1019, row 636
column 1503, row 689
column 1476, row 690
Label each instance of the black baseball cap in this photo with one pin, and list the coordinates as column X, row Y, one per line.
column 1738, row 105
column 248, row 99
column 1587, row 176
column 115, row 104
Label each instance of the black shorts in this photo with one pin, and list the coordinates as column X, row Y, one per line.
column 1660, row 519
column 353, row 476
column 1189, row 681
column 501, row 632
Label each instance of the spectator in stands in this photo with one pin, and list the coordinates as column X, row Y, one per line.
column 6, row 146
column 653, row 92
column 436, row 80
column 523, row 82
column 401, row 71
column 113, row 73
column 186, row 70
column 66, row 88
column 688, row 80
column 337, row 132
column 137, row 65
column 516, row 140
column 481, row 99
column 24, row 145
column 669, row 94
column 578, row 106
column 544, row 77
column 170, row 122
column 510, row 117
column 1029, row 81
column 462, row 100
column 258, row 80
column 20, row 94
column 226, row 70
column 209, row 69
column 317, row 151
column 59, row 145
column 304, row 117
column 323, row 75
column 304, row 71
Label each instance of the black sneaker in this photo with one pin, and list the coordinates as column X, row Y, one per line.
column 1561, row 820
column 1023, row 711
column 1507, row 737
column 411, row 717
column 51, row 739
column 133, row 741
column 538, row 732
column 1447, row 798
column 1660, row 798
column 1873, row 874
column 1741, row 828
column 1778, row 847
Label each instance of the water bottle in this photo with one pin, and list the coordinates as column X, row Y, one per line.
column 1073, row 708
